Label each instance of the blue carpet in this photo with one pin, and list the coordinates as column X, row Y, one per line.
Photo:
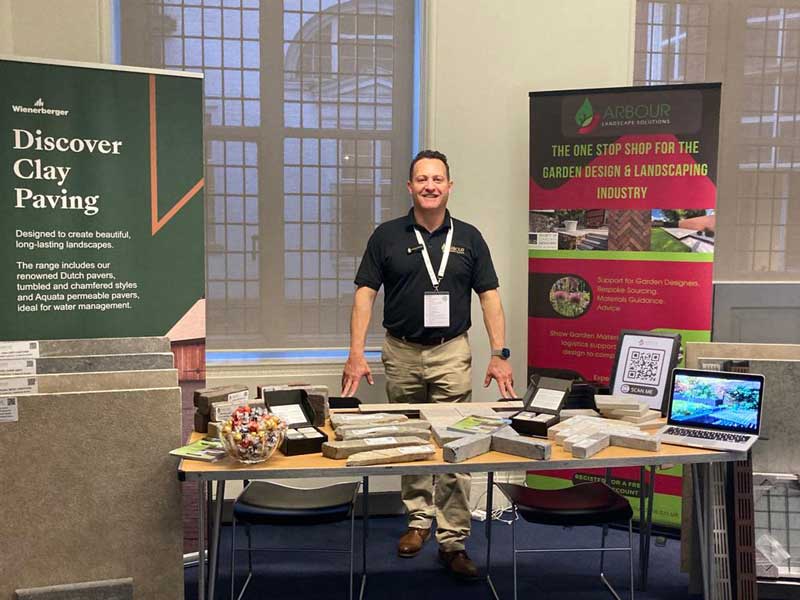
column 313, row 576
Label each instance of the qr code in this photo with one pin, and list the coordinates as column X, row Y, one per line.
column 11, row 402
column 644, row 365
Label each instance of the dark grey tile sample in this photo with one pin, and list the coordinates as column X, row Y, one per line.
column 108, row 362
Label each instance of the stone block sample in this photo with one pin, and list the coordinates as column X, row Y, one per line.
column 201, row 422
column 577, row 430
column 391, row 455
column 569, row 442
column 467, row 447
column 585, row 427
column 636, row 440
column 650, row 415
column 387, row 430
column 221, row 411
column 410, row 424
column 339, row 419
column 109, row 589
column 204, row 398
column 636, row 411
column 443, row 436
column 566, row 413
column 510, row 442
column 344, row 448
column 214, row 429
column 605, row 403
column 318, row 399
column 591, row 445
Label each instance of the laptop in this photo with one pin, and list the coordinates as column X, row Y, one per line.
column 714, row 410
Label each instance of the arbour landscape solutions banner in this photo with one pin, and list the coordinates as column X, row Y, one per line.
column 621, row 229
column 101, row 203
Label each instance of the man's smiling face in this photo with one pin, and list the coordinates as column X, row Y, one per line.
column 430, row 186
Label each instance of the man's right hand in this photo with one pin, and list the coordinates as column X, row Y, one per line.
column 355, row 368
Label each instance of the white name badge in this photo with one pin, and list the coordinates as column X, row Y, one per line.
column 437, row 309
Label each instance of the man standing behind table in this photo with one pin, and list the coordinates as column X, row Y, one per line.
column 429, row 263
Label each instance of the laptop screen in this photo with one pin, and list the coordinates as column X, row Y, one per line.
column 716, row 400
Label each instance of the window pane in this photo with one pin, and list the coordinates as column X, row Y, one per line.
column 299, row 170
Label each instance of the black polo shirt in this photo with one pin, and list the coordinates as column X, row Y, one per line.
column 405, row 279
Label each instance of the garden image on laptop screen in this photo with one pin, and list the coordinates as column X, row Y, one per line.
column 716, row 401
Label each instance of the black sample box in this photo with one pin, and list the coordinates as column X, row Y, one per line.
column 293, row 407
column 542, row 404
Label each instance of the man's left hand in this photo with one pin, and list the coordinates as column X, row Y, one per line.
column 500, row 371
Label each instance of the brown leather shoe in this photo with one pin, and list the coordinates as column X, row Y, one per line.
column 412, row 540
column 459, row 564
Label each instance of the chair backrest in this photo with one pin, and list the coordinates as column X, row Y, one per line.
column 269, row 494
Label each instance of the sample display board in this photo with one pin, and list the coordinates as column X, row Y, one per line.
column 101, row 203
column 621, row 225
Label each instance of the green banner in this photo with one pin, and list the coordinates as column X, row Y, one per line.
column 101, row 200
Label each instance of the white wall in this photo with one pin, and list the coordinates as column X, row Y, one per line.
column 74, row 30
column 6, row 31
column 483, row 58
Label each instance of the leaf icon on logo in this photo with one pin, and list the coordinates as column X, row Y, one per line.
column 585, row 113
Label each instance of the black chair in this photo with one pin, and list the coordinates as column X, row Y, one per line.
column 269, row 503
column 579, row 505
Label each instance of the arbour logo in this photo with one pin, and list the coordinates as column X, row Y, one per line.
column 38, row 108
column 586, row 118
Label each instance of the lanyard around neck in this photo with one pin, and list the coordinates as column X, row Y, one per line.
column 427, row 257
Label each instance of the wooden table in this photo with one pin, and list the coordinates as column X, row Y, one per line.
column 315, row 465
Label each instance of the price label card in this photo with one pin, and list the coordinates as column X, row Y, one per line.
column 291, row 413
column 19, row 385
column 547, row 399
column 414, row 449
column 9, row 412
column 379, row 441
column 242, row 396
column 17, row 367
column 25, row 349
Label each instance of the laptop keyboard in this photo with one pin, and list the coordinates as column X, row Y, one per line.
column 721, row 436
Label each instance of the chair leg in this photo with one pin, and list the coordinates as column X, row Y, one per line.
column 249, row 549
column 233, row 555
column 603, row 545
column 630, row 559
column 514, row 549
column 352, row 548
column 630, row 551
column 249, row 560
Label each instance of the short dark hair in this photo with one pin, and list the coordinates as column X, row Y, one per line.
column 428, row 154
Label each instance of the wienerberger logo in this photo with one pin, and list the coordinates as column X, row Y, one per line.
column 39, row 108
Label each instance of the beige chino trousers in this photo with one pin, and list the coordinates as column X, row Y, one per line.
column 424, row 374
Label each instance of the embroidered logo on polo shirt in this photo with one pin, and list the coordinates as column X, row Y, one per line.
column 455, row 249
